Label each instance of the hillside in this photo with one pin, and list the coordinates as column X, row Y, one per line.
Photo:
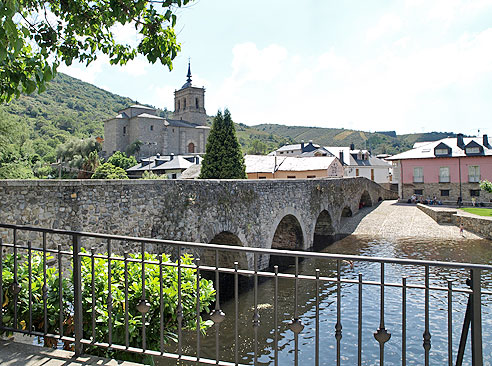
column 384, row 142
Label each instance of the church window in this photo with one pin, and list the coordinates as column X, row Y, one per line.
column 179, row 105
column 196, row 103
column 151, row 127
column 184, row 103
column 124, row 130
column 191, row 147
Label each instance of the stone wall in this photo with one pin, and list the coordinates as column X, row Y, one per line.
column 194, row 211
column 481, row 226
column 434, row 189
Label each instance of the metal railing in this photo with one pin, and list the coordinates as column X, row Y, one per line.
column 254, row 275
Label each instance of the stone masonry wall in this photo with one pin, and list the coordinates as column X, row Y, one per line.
column 194, row 211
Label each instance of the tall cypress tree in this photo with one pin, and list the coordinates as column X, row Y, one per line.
column 223, row 158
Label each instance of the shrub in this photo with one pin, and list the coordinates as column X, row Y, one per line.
column 100, row 290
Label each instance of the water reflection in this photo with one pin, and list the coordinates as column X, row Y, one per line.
column 473, row 251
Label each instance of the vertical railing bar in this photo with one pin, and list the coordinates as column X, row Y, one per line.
column 60, row 288
column 93, row 282
column 236, row 314
column 45, row 286
column 1, row 283
column 127, row 335
column 256, row 316
column 382, row 335
column 450, row 323
column 275, row 315
column 476, row 322
column 29, row 258
column 217, row 304
column 296, row 316
column 338, row 326
column 144, row 340
column 198, row 325
column 316, row 348
column 404, row 322
column 77, row 295
column 15, row 284
column 426, row 335
column 161, row 307
column 110, row 298
column 180, row 306
column 359, row 327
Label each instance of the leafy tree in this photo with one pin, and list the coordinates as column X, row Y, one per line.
column 121, row 160
column 38, row 35
column 109, row 171
column 258, row 148
column 76, row 150
column 151, row 175
column 223, row 158
column 486, row 186
column 134, row 148
column 89, row 165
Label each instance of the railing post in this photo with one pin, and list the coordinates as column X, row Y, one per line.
column 476, row 321
column 77, row 295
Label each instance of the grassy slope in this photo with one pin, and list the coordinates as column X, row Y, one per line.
column 479, row 211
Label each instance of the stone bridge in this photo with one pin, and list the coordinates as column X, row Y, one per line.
column 282, row 214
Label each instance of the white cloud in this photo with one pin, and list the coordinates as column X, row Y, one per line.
column 389, row 23
column 136, row 67
column 85, row 73
column 389, row 91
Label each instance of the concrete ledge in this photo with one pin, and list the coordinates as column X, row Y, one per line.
column 479, row 225
column 21, row 354
column 441, row 215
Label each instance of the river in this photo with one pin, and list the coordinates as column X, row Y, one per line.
column 455, row 250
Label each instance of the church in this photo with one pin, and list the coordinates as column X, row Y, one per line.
column 185, row 134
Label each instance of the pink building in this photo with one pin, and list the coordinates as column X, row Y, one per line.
column 446, row 169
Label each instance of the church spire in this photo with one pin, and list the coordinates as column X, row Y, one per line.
column 189, row 72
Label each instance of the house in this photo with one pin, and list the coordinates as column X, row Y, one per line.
column 356, row 163
column 185, row 133
column 291, row 167
column 170, row 165
column 361, row 163
column 447, row 169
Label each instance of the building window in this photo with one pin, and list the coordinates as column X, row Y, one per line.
column 173, row 176
column 356, row 172
column 474, row 173
column 184, row 103
column 196, row 103
column 179, row 105
column 418, row 192
column 261, row 177
column 372, row 174
column 152, row 127
column 475, row 192
column 444, row 192
column 473, row 150
column 124, row 130
column 281, row 152
column 191, row 147
column 444, row 174
column 442, row 152
column 311, row 176
column 418, row 175
column 291, row 176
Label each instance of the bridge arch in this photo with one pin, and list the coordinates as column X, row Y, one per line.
column 324, row 228
column 365, row 200
column 288, row 224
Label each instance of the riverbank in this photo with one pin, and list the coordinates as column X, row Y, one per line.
column 391, row 219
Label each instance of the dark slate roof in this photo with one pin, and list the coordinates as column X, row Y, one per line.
column 181, row 123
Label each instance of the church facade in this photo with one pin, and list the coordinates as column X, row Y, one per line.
column 185, row 133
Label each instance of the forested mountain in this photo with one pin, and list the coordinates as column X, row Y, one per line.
column 33, row 127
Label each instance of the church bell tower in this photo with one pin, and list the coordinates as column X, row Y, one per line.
column 189, row 102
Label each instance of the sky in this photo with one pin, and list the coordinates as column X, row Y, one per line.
column 408, row 65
